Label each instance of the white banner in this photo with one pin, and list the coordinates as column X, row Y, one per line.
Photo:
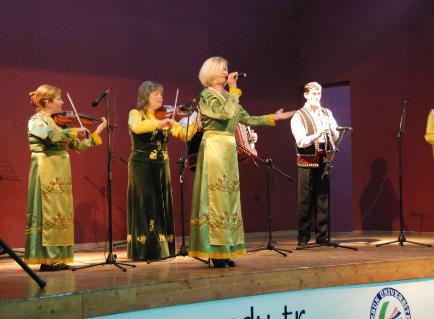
column 391, row 300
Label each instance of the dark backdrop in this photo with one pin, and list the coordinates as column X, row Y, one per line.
column 383, row 48
column 87, row 46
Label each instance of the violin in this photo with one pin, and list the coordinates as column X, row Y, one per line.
column 168, row 111
column 69, row 119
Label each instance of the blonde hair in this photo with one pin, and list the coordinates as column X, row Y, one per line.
column 145, row 89
column 312, row 86
column 210, row 69
column 43, row 94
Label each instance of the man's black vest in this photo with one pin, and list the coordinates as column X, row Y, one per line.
column 310, row 156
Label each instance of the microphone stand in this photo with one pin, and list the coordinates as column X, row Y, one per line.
column 401, row 237
column 328, row 172
column 183, row 249
column 271, row 245
column 23, row 265
column 111, row 258
column 7, row 173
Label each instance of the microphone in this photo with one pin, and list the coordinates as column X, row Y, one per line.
column 102, row 96
column 240, row 75
column 344, row 128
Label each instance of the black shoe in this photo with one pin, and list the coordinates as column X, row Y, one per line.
column 53, row 267
column 219, row 263
column 321, row 241
column 229, row 262
column 302, row 244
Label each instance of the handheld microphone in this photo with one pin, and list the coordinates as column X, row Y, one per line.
column 102, row 96
column 242, row 75
column 344, row 128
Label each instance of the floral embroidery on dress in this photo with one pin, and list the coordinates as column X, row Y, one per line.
column 218, row 221
column 57, row 186
column 225, row 185
column 153, row 155
column 141, row 239
column 222, row 221
column 32, row 225
column 58, row 222
column 154, row 135
column 197, row 221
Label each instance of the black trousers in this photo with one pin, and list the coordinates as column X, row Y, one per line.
column 312, row 202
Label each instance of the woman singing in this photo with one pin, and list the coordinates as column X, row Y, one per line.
column 50, row 212
column 216, row 225
column 151, row 233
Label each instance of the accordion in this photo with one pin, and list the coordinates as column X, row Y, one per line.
column 245, row 147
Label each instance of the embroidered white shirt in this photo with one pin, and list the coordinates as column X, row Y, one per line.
column 321, row 121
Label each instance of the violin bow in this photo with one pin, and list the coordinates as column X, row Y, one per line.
column 75, row 110
column 175, row 106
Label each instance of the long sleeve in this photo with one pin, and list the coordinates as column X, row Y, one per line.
column 80, row 145
column 322, row 122
column 333, row 125
column 138, row 125
column 246, row 119
column 46, row 135
column 217, row 107
column 180, row 132
column 38, row 127
column 429, row 136
column 300, row 133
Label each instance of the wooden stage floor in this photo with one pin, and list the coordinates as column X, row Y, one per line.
column 182, row 280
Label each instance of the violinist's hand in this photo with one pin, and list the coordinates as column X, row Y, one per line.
column 102, row 126
column 232, row 80
column 253, row 136
column 83, row 132
column 166, row 123
column 280, row 115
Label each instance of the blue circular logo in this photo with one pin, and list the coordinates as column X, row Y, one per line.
column 389, row 303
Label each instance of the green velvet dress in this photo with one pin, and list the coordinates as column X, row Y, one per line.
column 50, row 213
column 150, row 226
column 216, row 224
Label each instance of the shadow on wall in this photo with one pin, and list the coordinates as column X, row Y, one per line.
column 379, row 204
column 83, row 217
column 419, row 219
column 90, row 217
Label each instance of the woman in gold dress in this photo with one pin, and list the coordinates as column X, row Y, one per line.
column 216, row 224
column 50, row 212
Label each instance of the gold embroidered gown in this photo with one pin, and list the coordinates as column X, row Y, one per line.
column 216, row 224
column 50, row 213
column 150, row 233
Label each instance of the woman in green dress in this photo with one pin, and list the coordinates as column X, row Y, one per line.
column 50, row 212
column 216, row 224
column 150, row 227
